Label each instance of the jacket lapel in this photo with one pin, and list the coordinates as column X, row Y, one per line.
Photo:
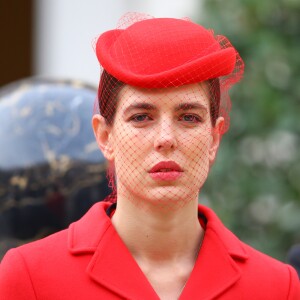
column 216, row 269
column 112, row 266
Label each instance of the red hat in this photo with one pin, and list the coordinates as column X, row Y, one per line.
column 164, row 52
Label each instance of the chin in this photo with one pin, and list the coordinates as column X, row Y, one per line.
column 170, row 196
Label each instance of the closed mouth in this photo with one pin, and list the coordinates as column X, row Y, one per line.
column 166, row 166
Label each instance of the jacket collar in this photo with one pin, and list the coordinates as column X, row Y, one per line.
column 231, row 243
column 216, row 268
column 85, row 235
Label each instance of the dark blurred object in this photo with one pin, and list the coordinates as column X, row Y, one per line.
column 51, row 170
column 17, row 29
column 294, row 258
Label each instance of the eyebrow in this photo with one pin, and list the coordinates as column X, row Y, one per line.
column 140, row 105
column 190, row 105
column 150, row 107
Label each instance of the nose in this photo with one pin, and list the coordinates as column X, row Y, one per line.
column 166, row 136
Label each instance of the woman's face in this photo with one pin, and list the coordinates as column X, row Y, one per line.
column 162, row 143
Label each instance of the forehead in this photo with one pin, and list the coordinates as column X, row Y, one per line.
column 166, row 97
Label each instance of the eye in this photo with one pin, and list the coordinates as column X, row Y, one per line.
column 140, row 118
column 190, row 118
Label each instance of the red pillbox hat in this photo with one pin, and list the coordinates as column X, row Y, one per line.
column 164, row 52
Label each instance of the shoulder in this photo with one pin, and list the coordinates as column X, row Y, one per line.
column 272, row 274
column 37, row 251
column 13, row 272
column 85, row 231
column 53, row 244
column 20, row 265
column 267, row 265
column 27, row 270
column 275, row 278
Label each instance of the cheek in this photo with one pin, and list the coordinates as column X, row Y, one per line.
column 130, row 147
column 197, row 143
column 197, row 153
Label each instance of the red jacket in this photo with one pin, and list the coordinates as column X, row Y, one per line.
column 89, row 261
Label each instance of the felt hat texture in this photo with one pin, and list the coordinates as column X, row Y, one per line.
column 164, row 52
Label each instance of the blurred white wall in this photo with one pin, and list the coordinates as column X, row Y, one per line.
column 65, row 29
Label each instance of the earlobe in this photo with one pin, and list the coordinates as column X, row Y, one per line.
column 102, row 135
column 216, row 138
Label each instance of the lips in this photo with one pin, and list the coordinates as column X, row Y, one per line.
column 166, row 166
column 166, row 171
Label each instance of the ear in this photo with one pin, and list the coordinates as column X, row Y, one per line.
column 215, row 140
column 102, row 133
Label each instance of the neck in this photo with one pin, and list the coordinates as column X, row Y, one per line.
column 154, row 234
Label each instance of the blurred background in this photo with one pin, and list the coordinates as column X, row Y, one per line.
column 254, row 186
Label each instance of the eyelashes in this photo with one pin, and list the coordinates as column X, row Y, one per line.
column 186, row 118
column 140, row 118
column 191, row 118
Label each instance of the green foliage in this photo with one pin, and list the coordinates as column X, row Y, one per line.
column 255, row 184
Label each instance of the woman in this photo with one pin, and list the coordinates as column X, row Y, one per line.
column 164, row 104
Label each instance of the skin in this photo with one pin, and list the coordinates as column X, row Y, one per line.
column 157, row 219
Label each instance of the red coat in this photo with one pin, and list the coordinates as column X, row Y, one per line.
column 89, row 261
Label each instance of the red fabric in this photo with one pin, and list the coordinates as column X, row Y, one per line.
column 89, row 261
column 163, row 52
